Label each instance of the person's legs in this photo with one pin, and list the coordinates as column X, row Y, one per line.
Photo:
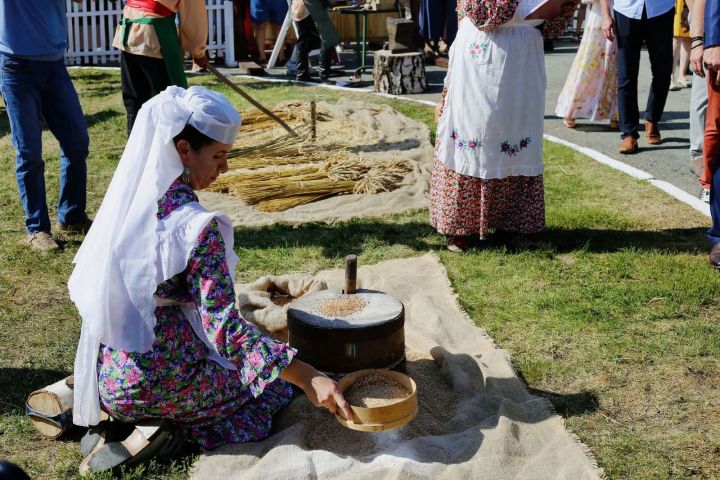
column 658, row 33
column 260, row 34
column 260, row 16
column 451, row 22
column 155, row 73
column 629, row 38
column 306, row 31
column 684, row 60
column 135, row 86
column 675, row 62
column 64, row 116
column 698, row 110
column 21, row 86
column 711, row 156
column 582, row 8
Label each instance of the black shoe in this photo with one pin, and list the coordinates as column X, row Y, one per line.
column 714, row 257
column 80, row 227
column 325, row 64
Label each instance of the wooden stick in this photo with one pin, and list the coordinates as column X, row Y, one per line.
column 350, row 274
column 247, row 97
column 313, row 119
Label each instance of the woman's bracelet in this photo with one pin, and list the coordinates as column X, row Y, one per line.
column 696, row 46
column 697, row 37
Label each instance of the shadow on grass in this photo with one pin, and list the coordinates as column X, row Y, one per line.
column 101, row 116
column 351, row 237
column 569, row 404
column 4, row 123
column 91, row 120
column 17, row 383
column 341, row 239
column 677, row 240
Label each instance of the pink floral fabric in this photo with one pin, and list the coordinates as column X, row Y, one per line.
column 464, row 205
column 485, row 14
column 175, row 380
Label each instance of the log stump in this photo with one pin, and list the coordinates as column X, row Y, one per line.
column 399, row 73
column 50, row 409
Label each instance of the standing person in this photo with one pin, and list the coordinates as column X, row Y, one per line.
column 262, row 14
column 35, row 84
column 308, row 39
column 488, row 171
column 438, row 20
column 636, row 21
column 151, row 48
column 581, row 13
column 681, row 47
column 590, row 90
column 711, row 146
column 698, row 93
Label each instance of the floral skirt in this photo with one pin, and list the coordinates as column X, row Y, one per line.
column 464, row 205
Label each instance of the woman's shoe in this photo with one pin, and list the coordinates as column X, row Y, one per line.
column 675, row 86
column 457, row 243
column 142, row 444
column 569, row 122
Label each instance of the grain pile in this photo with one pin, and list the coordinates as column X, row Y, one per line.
column 341, row 307
column 375, row 390
column 274, row 171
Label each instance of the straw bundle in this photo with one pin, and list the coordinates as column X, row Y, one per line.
column 276, row 172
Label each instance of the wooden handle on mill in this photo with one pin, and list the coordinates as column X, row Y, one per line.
column 350, row 274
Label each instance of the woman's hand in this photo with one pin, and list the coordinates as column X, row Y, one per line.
column 711, row 57
column 608, row 27
column 438, row 111
column 321, row 390
column 696, row 61
column 324, row 392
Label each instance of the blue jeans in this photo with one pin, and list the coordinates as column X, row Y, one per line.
column 33, row 90
column 714, row 232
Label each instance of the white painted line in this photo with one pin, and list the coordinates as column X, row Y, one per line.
column 666, row 187
column 682, row 195
column 604, row 159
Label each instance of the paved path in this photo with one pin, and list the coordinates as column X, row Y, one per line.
column 668, row 161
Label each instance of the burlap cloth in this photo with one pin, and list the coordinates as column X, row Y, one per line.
column 476, row 419
column 381, row 133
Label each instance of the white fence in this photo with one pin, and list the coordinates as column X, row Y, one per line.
column 91, row 28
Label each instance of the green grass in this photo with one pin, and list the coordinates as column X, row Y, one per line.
column 614, row 319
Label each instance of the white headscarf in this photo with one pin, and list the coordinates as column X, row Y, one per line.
column 117, row 268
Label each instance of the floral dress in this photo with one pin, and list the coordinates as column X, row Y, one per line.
column 176, row 380
column 488, row 156
column 590, row 90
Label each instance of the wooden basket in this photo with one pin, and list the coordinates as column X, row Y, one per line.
column 387, row 417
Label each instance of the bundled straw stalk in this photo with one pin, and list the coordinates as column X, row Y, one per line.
column 276, row 172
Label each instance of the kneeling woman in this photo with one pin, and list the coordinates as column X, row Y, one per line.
column 161, row 336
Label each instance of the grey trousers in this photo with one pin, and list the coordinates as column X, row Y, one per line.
column 698, row 109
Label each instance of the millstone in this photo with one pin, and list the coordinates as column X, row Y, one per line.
column 372, row 337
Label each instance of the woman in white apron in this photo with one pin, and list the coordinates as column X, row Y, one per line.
column 488, row 166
